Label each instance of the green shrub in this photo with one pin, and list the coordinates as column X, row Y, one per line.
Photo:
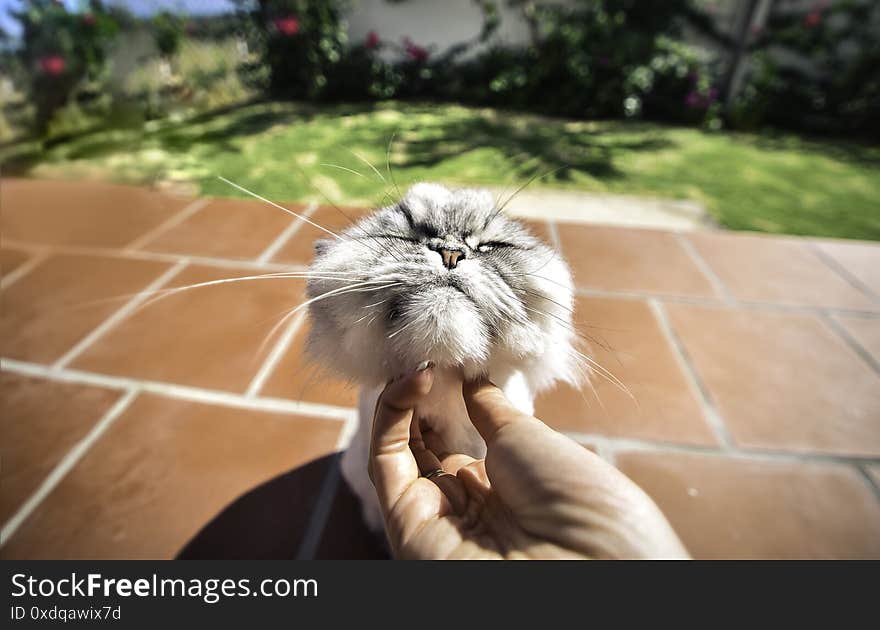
column 62, row 51
column 302, row 41
column 833, row 87
column 167, row 33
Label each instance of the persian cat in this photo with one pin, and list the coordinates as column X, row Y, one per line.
column 441, row 276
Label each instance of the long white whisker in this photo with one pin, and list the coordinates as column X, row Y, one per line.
column 275, row 205
column 369, row 285
column 606, row 374
column 163, row 293
column 367, row 162
column 343, row 168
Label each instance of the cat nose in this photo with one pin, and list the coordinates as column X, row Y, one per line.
column 451, row 257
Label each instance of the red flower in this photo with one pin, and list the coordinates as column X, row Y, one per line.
column 89, row 19
column 373, row 40
column 53, row 64
column 414, row 51
column 812, row 19
column 287, row 26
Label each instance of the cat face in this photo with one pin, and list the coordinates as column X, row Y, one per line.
column 444, row 276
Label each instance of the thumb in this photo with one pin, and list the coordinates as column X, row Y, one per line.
column 488, row 407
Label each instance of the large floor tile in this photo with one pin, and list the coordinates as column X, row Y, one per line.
column 40, row 422
column 209, row 336
column 268, row 522
column 624, row 259
column 866, row 331
column 88, row 214
column 162, row 471
column 860, row 259
column 629, row 343
column 783, row 381
column 225, row 228
column 59, row 302
column 300, row 377
column 740, row 508
column 300, row 248
column 783, row 271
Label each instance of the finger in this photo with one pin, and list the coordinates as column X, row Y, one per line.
column 488, row 408
column 474, row 478
column 428, row 462
column 392, row 465
column 426, row 459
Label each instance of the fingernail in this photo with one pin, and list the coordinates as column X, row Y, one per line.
column 424, row 365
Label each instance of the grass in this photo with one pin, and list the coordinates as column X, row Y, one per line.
column 781, row 184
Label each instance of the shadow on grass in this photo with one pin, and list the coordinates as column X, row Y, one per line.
column 425, row 136
column 851, row 151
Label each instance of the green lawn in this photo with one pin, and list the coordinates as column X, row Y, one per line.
column 282, row 150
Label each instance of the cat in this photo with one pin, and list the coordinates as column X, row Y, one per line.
column 442, row 276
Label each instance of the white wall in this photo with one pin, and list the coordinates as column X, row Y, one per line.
column 437, row 23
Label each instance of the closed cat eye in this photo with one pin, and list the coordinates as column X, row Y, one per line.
column 490, row 245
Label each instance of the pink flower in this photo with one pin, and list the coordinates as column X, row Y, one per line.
column 812, row 19
column 287, row 26
column 373, row 40
column 414, row 51
column 53, row 64
column 89, row 19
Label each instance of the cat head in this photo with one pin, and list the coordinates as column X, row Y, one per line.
column 445, row 276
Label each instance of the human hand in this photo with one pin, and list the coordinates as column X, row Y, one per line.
column 537, row 494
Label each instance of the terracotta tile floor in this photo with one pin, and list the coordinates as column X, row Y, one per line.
column 154, row 430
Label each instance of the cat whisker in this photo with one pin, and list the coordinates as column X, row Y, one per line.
column 388, row 163
column 343, row 168
column 404, row 327
column 368, row 163
column 275, row 205
column 606, row 374
column 527, row 184
column 371, row 284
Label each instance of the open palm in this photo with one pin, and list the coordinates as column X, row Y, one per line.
column 537, row 494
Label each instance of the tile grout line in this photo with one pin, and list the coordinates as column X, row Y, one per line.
column 327, row 493
column 160, row 257
column 623, row 444
column 117, row 316
column 841, row 271
column 179, row 392
column 769, row 307
column 717, row 285
column 869, row 479
column 698, row 387
column 581, row 291
column 320, row 511
column 286, row 234
column 65, row 465
column 275, row 355
column 37, row 257
column 850, row 341
column 186, row 212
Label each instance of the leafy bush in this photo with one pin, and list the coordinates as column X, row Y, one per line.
column 302, row 41
column 62, row 51
column 816, row 69
column 167, row 33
